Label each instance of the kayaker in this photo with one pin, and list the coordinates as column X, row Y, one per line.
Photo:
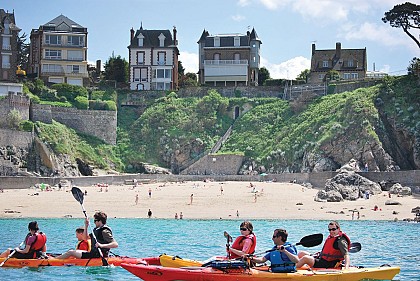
column 35, row 245
column 283, row 256
column 105, row 240
column 335, row 250
column 82, row 244
column 245, row 243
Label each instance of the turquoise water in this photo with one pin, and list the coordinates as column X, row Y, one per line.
column 394, row 243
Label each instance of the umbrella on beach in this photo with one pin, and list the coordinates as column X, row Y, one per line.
column 263, row 174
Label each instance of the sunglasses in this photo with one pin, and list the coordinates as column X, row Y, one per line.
column 96, row 220
column 332, row 229
column 274, row 236
column 243, row 228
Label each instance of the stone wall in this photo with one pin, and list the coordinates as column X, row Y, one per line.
column 99, row 123
column 15, row 101
column 215, row 164
column 316, row 179
column 231, row 92
column 16, row 138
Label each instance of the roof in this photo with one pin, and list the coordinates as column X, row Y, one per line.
column 151, row 38
column 227, row 40
column 339, row 58
column 11, row 16
column 63, row 19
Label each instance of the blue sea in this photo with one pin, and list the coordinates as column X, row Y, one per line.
column 393, row 243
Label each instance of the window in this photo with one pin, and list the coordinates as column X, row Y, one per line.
column 325, row 63
column 237, row 41
column 6, row 26
column 141, row 41
column 161, row 40
column 53, row 39
column 217, row 41
column 76, row 55
column 53, row 54
column 136, row 77
column 350, row 63
column 168, row 73
column 161, row 58
column 75, row 40
column 237, row 57
column 6, row 43
column 73, row 69
column 216, row 56
column 143, row 74
column 163, row 73
column 355, row 75
column 140, row 58
column 5, row 61
column 346, row 76
column 55, row 68
column 321, row 76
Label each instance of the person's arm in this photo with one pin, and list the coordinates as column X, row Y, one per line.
column 343, row 247
column 85, row 232
column 259, row 260
column 24, row 251
column 110, row 239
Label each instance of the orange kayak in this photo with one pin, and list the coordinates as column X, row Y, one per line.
column 51, row 261
column 159, row 273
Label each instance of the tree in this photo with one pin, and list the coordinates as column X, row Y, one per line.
column 414, row 68
column 22, row 52
column 332, row 75
column 406, row 16
column 116, row 68
column 304, row 75
column 263, row 74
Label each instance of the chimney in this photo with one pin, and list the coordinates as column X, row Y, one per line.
column 313, row 48
column 98, row 66
column 338, row 49
column 132, row 34
column 175, row 41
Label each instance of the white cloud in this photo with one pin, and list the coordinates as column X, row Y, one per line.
column 374, row 32
column 244, row 3
column 189, row 61
column 286, row 70
column 274, row 4
column 238, row 18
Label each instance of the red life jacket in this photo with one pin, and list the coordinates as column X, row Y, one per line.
column 38, row 244
column 239, row 242
column 84, row 245
column 330, row 251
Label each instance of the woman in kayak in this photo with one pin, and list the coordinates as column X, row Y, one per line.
column 245, row 243
column 335, row 250
column 35, row 245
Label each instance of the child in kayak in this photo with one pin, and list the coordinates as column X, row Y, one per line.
column 245, row 243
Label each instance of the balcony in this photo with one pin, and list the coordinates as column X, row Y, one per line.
column 226, row 62
column 6, row 47
column 62, row 73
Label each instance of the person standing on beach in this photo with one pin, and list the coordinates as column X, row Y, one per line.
column 221, row 190
column 176, row 216
column 335, row 250
column 283, row 257
column 149, row 214
column 181, row 215
column 137, row 199
column 150, row 192
column 104, row 239
column 245, row 243
column 35, row 245
column 191, row 198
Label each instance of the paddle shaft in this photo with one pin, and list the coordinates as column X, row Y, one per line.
column 10, row 255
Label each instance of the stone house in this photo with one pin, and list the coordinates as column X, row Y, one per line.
column 351, row 64
column 229, row 59
column 58, row 52
column 9, row 33
column 153, row 59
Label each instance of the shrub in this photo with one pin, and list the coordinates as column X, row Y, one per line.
column 81, row 102
column 70, row 91
column 110, row 105
column 26, row 125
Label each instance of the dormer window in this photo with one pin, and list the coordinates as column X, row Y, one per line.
column 350, row 63
column 7, row 26
column 325, row 63
column 237, row 41
column 161, row 40
column 140, row 38
column 217, row 41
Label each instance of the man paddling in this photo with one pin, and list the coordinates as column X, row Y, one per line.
column 105, row 240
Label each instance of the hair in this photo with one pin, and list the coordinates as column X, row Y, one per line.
column 248, row 225
column 335, row 223
column 33, row 225
column 80, row 229
column 100, row 216
column 281, row 233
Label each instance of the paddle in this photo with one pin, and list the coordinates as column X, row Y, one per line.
column 228, row 240
column 11, row 254
column 307, row 241
column 78, row 195
column 355, row 247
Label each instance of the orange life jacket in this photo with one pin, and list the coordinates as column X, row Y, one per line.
column 38, row 244
column 330, row 251
column 239, row 242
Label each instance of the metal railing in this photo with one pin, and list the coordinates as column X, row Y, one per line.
column 226, row 62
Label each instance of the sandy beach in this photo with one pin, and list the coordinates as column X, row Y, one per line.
column 269, row 200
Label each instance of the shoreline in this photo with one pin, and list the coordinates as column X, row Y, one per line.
column 210, row 200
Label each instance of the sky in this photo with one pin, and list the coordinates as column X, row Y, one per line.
column 287, row 28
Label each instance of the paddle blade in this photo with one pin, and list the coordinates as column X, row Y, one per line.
column 311, row 240
column 355, row 247
column 77, row 194
column 228, row 237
